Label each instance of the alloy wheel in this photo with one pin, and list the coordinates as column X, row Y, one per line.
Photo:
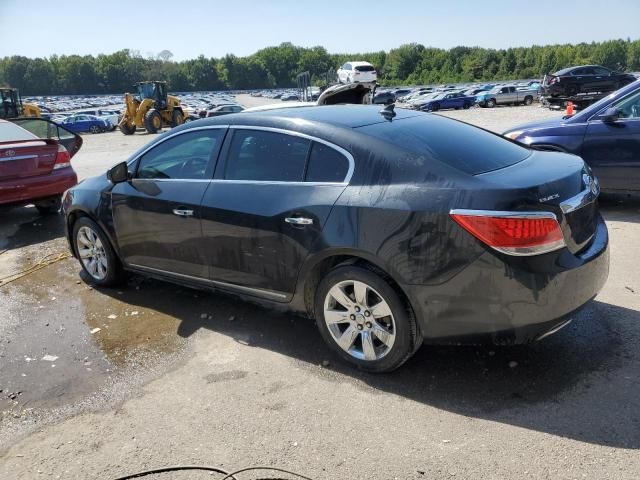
column 91, row 253
column 360, row 320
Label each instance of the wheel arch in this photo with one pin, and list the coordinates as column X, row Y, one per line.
column 73, row 216
column 314, row 271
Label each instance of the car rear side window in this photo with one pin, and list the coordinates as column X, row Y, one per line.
column 326, row 164
column 439, row 139
column 260, row 155
column 187, row 156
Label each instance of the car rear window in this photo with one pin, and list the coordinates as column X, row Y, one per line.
column 10, row 132
column 459, row 145
column 365, row 68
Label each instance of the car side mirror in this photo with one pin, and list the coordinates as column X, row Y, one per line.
column 610, row 115
column 118, row 173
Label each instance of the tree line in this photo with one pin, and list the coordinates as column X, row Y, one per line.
column 278, row 66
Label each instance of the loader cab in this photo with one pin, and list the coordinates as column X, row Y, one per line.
column 156, row 91
column 10, row 103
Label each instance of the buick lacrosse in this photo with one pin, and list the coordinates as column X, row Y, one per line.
column 389, row 227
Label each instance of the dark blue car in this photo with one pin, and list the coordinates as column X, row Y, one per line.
column 455, row 100
column 85, row 123
column 606, row 135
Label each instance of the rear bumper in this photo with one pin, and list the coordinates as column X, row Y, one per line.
column 19, row 191
column 504, row 299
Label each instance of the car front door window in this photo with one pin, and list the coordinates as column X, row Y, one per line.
column 629, row 107
column 186, row 156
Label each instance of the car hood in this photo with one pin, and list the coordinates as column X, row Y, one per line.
column 556, row 126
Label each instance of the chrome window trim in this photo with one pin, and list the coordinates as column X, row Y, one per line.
column 294, row 133
column 182, row 132
column 230, row 286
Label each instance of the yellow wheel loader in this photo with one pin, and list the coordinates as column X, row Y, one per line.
column 151, row 108
column 11, row 105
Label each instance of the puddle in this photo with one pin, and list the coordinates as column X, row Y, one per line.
column 67, row 338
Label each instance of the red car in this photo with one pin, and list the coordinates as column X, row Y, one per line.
column 35, row 163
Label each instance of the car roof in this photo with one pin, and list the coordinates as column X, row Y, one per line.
column 349, row 116
column 564, row 71
column 359, row 63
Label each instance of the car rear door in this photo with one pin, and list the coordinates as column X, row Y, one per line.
column 157, row 213
column 612, row 148
column 265, row 209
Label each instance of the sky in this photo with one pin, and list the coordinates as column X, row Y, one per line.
column 216, row 27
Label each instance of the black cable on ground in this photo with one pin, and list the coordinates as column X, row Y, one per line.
column 228, row 476
column 273, row 469
column 175, row 468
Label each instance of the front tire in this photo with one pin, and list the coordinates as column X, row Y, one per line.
column 528, row 100
column 95, row 253
column 364, row 320
column 177, row 118
column 152, row 121
column 127, row 129
column 435, row 107
column 491, row 103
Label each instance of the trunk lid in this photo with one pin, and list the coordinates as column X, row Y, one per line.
column 554, row 182
column 27, row 158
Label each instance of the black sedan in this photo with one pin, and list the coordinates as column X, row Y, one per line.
column 387, row 227
column 582, row 84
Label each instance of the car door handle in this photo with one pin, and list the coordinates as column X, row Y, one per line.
column 183, row 213
column 299, row 220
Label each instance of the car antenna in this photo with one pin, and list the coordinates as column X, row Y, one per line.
column 388, row 112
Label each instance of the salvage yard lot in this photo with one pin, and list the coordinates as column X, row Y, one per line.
column 154, row 374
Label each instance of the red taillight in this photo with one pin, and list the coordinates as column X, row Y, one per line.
column 527, row 233
column 63, row 159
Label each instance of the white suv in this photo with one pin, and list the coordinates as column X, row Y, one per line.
column 357, row 72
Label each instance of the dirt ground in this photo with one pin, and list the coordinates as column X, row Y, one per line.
column 97, row 383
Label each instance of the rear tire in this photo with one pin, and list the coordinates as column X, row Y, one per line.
column 127, row 129
column 384, row 329
column 51, row 207
column 466, row 106
column 97, row 258
column 152, row 121
column 95, row 129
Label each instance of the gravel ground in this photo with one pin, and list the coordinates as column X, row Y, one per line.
column 195, row 377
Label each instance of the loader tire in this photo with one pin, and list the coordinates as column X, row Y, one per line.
column 152, row 121
column 127, row 129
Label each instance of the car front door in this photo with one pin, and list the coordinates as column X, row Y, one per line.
column 157, row 213
column 612, row 148
column 603, row 81
column 265, row 209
